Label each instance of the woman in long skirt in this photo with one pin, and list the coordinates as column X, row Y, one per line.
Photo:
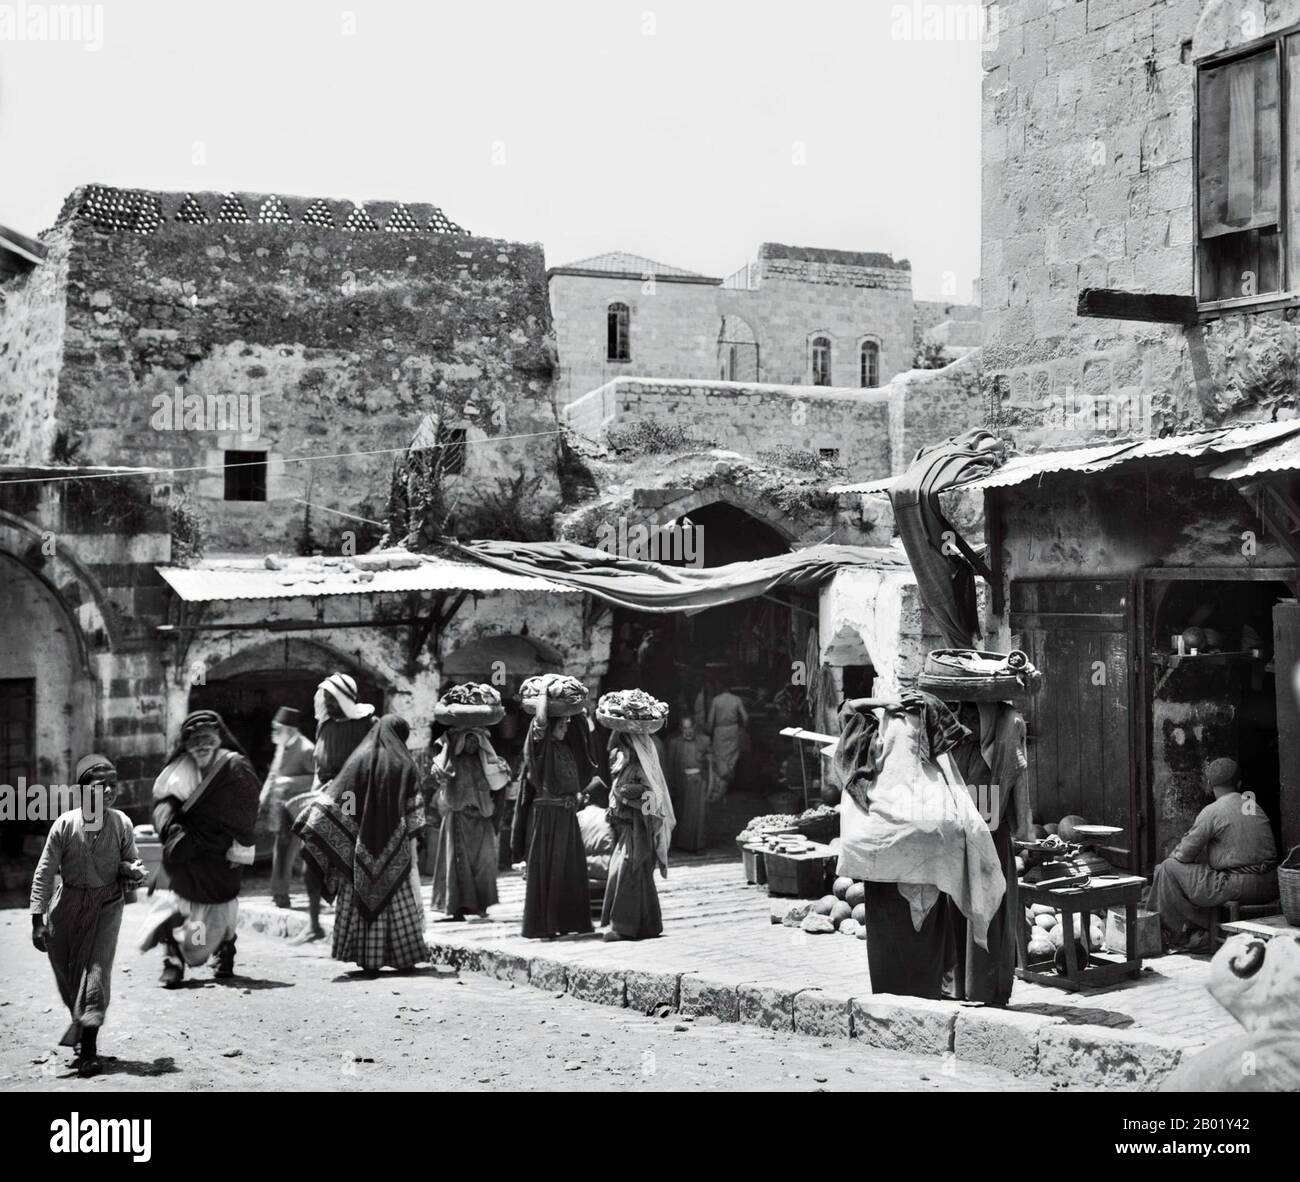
column 92, row 850
column 558, row 766
column 641, row 815
column 470, row 800
column 360, row 834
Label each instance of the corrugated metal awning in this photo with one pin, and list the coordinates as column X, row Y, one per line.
column 230, row 579
column 1280, row 456
column 1220, row 441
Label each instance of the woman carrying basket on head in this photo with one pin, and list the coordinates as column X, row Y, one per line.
column 640, row 813
column 558, row 766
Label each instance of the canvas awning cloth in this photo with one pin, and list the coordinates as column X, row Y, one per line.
column 652, row 587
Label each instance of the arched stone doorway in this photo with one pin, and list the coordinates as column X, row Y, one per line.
column 738, row 350
column 750, row 647
column 47, row 690
column 247, row 688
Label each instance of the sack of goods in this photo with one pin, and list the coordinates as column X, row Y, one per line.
column 965, row 675
column 564, row 695
column 631, row 711
column 472, row 704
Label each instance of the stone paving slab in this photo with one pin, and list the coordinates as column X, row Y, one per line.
column 723, row 956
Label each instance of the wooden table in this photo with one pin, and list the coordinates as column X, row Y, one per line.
column 1266, row 927
column 1101, row 893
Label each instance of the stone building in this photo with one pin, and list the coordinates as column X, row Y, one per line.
column 1139, row 295
column 247, row 368
column 795, row 316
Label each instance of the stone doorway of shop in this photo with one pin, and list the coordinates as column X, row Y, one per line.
column 248, row 697
column 1215, row 696
column 749, row 647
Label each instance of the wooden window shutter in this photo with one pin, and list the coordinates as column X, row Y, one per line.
column 1239, row 149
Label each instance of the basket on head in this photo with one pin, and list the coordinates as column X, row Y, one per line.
column 630, row 726
column 555, row 707
column 1288, row 886
column 465, row 717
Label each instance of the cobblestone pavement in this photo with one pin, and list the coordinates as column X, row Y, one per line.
column 715, row 924
column 294, row 1019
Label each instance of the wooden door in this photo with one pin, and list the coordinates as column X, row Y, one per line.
column 1079, row 632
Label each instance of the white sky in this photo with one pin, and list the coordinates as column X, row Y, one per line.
column 677, row 145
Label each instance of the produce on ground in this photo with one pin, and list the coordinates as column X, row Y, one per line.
column 840, row 912
column 856, row 895
column 824, row 904
column 841, row 887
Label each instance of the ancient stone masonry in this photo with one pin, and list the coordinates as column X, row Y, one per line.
column 343, row 340
column 1088, row 181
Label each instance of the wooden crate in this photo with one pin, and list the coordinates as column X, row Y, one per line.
column 800, row 876
column 755, row 864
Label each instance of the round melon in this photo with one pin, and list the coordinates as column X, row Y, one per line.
column 840, row 911
column 841, row 887
column 1056, row 936
column 1045, row 922
column 1065, row 830
column 824, row 904
column 1042, row 908
column 860, row 912
column 849, row 926
column 856, row 894
column 1040, row 949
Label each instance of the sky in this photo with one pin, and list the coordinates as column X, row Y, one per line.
column 686, row 132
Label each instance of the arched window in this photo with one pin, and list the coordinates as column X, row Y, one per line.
column 618, row 323
column 869, row 364
column 821, row 361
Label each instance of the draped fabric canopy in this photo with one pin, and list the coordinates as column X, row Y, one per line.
column 651, row 587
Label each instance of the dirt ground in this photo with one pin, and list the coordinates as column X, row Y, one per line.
column 293, row 1019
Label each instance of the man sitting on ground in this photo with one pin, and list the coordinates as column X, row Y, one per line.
column 1228, row 856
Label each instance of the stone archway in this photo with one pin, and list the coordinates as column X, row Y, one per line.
column 248, row 687
column 47, row 690
column 683, row 506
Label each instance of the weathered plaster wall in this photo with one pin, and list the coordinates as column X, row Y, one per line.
column 1088, row 182
column 31, row 352
column 347, row 339
column 675, row 326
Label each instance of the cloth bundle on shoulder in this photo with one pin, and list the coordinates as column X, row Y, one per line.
column 907, row 816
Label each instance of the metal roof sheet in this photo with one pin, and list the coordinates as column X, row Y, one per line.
column 229, row 579
column 622, row 262
column 1279, row 456
column 1020, row 469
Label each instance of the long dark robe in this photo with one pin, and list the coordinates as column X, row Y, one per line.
column 900, row 959
column 196, row 839
column 546, row 833
column 631, row 904
column 358, row 835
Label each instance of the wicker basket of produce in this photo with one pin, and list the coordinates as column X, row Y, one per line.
column 632, row 712
column 1288, row 885
column 965, row 675
column 469, row 705
column 565, row 695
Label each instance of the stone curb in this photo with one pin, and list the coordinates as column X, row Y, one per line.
column 1027, row 1045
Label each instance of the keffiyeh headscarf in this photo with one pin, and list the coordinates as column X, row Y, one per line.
column 343, row 689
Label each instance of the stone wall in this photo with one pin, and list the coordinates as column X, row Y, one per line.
column 750, row 418
column 675, row 325
column 345, row 339
column 875, row 432
column 32, row 313
column 1088, row 182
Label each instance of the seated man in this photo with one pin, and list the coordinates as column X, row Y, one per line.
column 1228, row 856
column 597, row 842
